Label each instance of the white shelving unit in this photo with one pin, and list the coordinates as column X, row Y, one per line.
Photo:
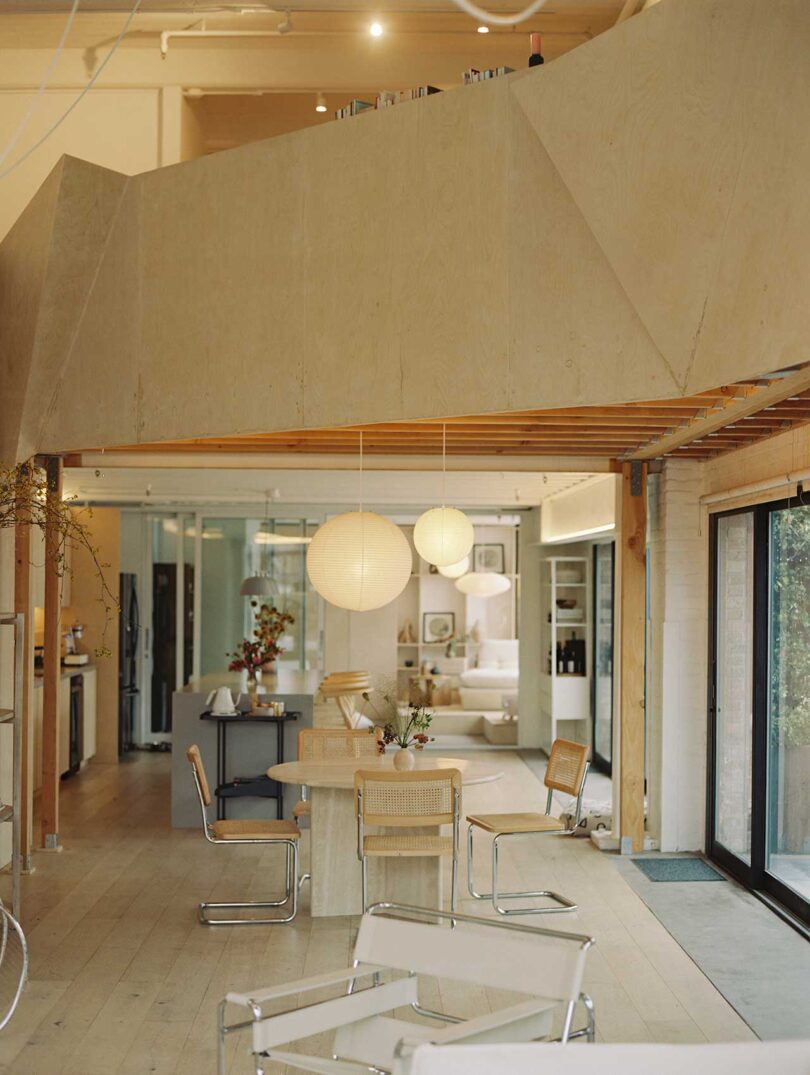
column 565, row 696
column 428, row 592
column 11, row 729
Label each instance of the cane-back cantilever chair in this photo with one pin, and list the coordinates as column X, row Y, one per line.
column 426, row 798
column 13, row 965
column 566, row 772
column 247, row 831
column 334, row 744
column 395, row 946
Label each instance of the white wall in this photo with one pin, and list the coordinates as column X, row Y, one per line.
column 588, row 508
column 676, row 704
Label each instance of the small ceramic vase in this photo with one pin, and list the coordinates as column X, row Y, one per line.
column 404, row 760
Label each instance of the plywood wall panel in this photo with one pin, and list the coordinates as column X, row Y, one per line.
column 598, row 230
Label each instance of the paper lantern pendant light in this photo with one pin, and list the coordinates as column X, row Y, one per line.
column 443, row 536
column 359, row 560
column 483, row 584
column 455, row 571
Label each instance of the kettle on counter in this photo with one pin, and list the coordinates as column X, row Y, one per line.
column 222, row 702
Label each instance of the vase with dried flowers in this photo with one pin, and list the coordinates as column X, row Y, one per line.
column 404, row 726
column 259, row 653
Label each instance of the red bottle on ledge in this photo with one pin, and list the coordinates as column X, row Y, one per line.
column 536, row 58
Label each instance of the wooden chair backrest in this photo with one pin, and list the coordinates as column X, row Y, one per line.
column 193, row 755
column 323, row 744
column 540, row 963
column 426, row 797
column 566, row 766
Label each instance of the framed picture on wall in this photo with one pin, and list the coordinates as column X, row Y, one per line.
column 489, row 558
column 438, row 626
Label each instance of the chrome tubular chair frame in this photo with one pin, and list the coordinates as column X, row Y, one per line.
column 9, row 926
column 292, row 886
column 563, row 904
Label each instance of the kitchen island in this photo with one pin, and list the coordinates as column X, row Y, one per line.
column 251, row 748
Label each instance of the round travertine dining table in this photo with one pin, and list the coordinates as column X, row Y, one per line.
column 334, row 866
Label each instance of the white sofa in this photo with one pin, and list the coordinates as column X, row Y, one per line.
column 737, row 1058
column 495, row 677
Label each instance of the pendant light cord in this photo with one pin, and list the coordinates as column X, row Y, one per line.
column 361, row 471
column 444, row 464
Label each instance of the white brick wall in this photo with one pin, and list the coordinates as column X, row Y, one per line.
column 676, row 716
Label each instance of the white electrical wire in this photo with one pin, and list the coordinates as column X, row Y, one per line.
column 73, row 104
column 499, row 20
column 46, row 78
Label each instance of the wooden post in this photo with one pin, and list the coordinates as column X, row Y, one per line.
column 23, row 603
column 49, row 803
column 632, row 653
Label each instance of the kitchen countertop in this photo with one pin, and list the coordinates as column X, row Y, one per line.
column 287, row 681
column 65, row 672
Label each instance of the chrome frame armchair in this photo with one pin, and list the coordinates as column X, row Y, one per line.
column 395, row 945
column 567, row 771
column 240, row 832
column 429, row 797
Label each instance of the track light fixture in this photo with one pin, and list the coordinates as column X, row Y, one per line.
column 320, row 103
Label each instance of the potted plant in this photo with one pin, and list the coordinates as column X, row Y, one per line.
column 407, row 726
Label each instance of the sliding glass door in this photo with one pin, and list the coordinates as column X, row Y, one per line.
column 787, row 822
column 602, row 682
column 759, row 780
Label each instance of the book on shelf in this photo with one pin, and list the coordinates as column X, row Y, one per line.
column 353, row 108
column 472, row 74
column 385, row 99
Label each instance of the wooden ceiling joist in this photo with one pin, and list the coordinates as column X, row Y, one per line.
column 694, row 427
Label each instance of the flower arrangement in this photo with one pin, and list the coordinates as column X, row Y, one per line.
column 405, row 728
column 263, row 648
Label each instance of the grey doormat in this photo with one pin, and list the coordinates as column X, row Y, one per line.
column 677, row 869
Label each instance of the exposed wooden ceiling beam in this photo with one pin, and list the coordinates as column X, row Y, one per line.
column 776, row 392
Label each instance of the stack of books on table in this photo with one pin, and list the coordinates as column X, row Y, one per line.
column 472, row 74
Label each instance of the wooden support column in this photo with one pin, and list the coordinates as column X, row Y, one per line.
column 49, row 803
column 633, row 638
column 23, row 602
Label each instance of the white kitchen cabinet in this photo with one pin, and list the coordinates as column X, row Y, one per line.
column 89, row 729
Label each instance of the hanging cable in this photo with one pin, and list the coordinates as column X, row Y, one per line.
column 73, row 104
column 361, row 471
column 46, row 78
column 444, row 464
column 499, row 20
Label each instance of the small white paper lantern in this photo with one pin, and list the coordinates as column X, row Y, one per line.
column 455, row 571
column 359, row 560
column 443, row 536
column 483, row 584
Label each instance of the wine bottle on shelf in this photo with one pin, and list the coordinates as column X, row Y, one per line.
column 570, row 658
column 535, row 57
column 560, row 659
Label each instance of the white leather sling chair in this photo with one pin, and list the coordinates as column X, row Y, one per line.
column 395, row 946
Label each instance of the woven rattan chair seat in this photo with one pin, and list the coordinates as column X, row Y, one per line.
column 408, row 845
column 504, row 823
column 254, row 829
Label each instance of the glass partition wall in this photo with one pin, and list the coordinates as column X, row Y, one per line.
column 189, row 567
column 759, row 785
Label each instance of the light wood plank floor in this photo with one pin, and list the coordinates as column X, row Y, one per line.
column 124, row 980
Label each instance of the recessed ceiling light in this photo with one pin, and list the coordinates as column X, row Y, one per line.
column 320, row 103
column 483, row 29
column 375, row 29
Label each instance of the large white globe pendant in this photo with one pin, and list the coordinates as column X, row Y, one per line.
column 455, row 571
column 443, row 536
column 483, row 584
column 359, row 560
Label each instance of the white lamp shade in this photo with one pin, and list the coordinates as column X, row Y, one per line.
column 359, row 560
column 483, row 584
column 443, row 536
column 455, row 571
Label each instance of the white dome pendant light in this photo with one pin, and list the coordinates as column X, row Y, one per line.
column 359, row 560
column 483, row 584
column 455, row 571
column 443, row 536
